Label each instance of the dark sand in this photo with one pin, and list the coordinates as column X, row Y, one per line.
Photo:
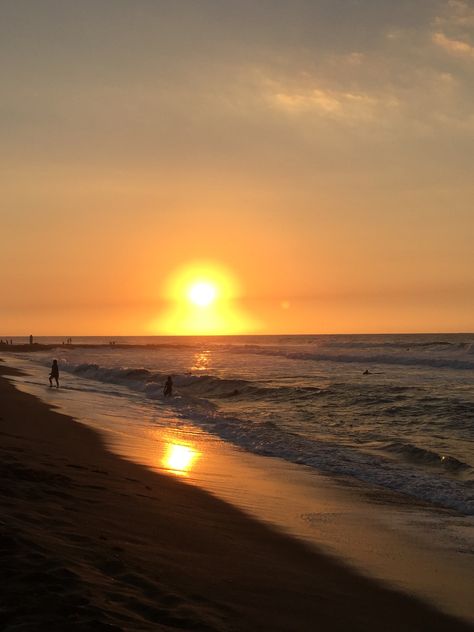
column 89, row 541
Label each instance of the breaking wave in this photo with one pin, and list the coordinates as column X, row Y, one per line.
column 459, row 360
column 407, row 471
column 203, row 386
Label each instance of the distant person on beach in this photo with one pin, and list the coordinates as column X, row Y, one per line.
column 168, row 389
column 54, row 374
column 31, row 339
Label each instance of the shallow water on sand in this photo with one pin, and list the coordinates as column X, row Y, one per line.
column 425, row 550
column 406, row 425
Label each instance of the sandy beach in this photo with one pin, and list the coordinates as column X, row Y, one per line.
column 90, row 541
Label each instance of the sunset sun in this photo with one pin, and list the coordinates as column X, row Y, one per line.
column 202, row 293
column 203, row 298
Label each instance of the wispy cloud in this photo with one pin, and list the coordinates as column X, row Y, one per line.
column 452, row 28
column 456, row 13
column 454, row 47
column 326, row 102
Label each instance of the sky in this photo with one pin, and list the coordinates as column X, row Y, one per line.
column 317, row 153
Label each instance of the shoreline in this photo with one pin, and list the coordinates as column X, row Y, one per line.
column 134, row 549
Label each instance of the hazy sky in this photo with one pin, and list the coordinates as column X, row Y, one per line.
column 322, row 151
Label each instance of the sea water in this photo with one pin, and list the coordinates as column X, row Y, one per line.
column 391, row 411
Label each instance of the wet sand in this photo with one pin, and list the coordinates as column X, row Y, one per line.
column 90, row 541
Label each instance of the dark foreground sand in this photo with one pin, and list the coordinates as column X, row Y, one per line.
column 89, row 541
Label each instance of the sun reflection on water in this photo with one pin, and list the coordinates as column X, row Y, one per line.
column 201, row 361
column 179, row 459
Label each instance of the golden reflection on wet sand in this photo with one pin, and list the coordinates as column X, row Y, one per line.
column 179, row 459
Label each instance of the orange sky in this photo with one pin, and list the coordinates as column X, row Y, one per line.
column 320, row 152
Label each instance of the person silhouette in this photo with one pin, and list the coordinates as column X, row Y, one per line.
column 168, row 389
column 54, row 374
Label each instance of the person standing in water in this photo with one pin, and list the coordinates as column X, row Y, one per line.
column 168, row 389
column 54, row 374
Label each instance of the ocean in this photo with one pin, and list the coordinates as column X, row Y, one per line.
column 395, row 412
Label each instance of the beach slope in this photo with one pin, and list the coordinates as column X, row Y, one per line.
column 90, row 541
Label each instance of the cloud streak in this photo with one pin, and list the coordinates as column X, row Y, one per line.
column 329, row 103
column 454, row 47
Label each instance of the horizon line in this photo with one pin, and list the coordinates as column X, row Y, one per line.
column 386, row 333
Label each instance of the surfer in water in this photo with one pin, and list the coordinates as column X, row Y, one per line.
column 54, row 374
column 168, row 389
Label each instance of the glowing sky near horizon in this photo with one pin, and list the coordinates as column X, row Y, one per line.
column 321, row 151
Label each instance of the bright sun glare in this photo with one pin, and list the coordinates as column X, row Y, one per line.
column 202, row 293
column 179, row 458
column 203, row 299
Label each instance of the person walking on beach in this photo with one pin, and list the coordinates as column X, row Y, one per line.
column 168, row 389
column 54, row 374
